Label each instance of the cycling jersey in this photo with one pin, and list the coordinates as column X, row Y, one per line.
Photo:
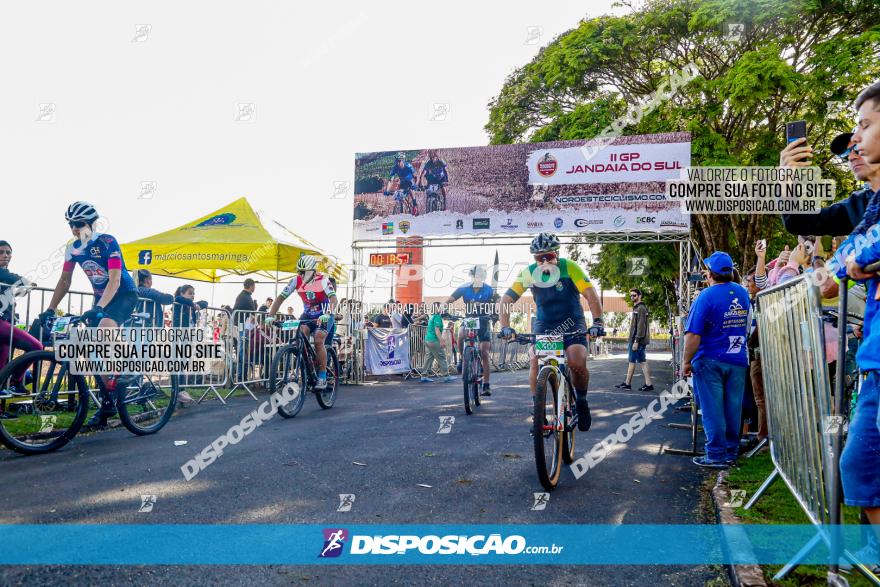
column 435, row 171
column 97, row 258
column 557, row 294
column 315, row 294
column 477, row 302
column 405, row 173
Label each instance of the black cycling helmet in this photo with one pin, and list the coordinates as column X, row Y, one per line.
column 544, row 243
column 81, row 212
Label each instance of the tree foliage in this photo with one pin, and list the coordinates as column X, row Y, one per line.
column 794, row 57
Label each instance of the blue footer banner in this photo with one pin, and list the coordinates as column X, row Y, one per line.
column 174, row 544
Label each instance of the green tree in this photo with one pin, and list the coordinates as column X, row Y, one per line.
column 614, row 267
column 794, row 57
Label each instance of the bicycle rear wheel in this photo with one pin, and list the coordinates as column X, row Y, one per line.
column 48, row 408
column 548, row 441
column 146, row 402
column 327, row 397
column 287, row 374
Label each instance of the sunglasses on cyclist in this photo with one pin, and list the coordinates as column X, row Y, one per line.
column 545, row 257
column 78, row 224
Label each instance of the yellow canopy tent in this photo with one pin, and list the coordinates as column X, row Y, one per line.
column 231, row 241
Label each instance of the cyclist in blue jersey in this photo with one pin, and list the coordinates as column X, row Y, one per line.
column 479, row 302
column 115, row 292
column 406, row 175
column 435, row 171
column 557, row 286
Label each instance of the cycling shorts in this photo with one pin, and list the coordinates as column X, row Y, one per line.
column 121, row 306
column 314, row 324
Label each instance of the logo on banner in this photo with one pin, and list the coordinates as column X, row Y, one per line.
column 481, row 223
column 673, row 223
column 389, row 342
column 646, row 219
column 558, row 223
column 547, row 165
column 387, row 228
column 459, row 224
column 619, row 221
column 582, row 222
column 145, row 257
column 334, row 541
column 404, row 226
column 224, row 219
column 509, row 224
column 534, row 224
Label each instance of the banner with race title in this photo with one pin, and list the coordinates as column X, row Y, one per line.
column 565, row 186
column 387, row 351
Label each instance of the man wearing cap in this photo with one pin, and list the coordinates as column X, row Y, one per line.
column 715, row 354
column 841, row 217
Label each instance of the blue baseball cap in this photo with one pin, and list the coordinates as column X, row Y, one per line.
column 720, row 263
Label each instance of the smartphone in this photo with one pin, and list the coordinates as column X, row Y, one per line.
column 763, row 243
column 795, row 130
column 696, row 278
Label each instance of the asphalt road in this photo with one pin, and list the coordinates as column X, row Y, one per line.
column 292, row 472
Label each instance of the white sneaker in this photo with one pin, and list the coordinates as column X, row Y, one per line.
column 321, row 383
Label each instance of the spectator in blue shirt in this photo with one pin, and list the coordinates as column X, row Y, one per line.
column 860, row 461
column 715, row 354
column 150, row 300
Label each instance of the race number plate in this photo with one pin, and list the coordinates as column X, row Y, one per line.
column 290, row 325
column 61, row 327
column 549, row 345
column 472, row 323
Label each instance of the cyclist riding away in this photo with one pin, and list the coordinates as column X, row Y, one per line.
column 319, row 301
column 115, row 291
column 557, row 285
column 406, row 174
column 435, row 171
column 479, row 302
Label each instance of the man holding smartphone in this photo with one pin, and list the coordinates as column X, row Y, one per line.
column 841, row 217
column 860, row 461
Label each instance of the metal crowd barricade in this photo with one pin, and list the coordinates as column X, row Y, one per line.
column 801, row 418
column 417, row 350
column 256, row 343
column 214, row 322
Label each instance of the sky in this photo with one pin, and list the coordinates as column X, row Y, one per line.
column 97, row 101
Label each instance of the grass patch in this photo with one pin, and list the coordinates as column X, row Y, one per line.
column 778, row 506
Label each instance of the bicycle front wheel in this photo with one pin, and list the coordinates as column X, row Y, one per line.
column 145, row 402
column 42, row 406
column 287, row 375
column 467, row 376
column 568, row 434
column 548, row 440
column 327, row 397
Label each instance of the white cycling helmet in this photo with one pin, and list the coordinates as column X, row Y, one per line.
column 81, row 212
column 307, row 263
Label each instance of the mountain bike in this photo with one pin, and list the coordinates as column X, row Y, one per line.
column 435, row 201
column 471, row 363
column 555, row 411
column 47, row 409
column 295, row 362
column 405, row 202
